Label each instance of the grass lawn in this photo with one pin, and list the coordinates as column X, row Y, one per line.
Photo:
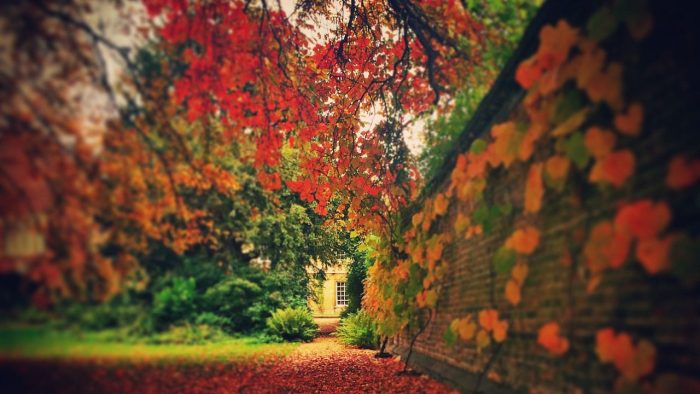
column 48, row 344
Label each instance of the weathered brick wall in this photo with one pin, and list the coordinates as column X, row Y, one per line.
column 660, row 72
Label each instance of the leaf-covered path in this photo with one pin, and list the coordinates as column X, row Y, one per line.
column 327, row 366
column 322, row 366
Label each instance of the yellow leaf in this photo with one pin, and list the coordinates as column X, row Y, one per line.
column 417, row 219
column 482, row 339
column 571, row 123
column 461, row 223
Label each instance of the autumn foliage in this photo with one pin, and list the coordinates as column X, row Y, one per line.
column 223, row 114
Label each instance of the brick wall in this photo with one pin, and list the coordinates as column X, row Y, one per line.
column 661, row 73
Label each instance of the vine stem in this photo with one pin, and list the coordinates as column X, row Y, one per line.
column 413, row 340
column 487, row 367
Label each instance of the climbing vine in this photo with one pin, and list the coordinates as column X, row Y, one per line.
column 575, row 129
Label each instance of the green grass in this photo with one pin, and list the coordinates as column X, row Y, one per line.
column 42, row 343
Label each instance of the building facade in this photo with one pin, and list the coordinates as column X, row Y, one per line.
column 329, row 298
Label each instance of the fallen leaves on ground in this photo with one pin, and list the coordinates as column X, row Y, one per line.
column 323, row 366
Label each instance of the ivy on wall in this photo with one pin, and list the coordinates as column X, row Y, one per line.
column 574, row 130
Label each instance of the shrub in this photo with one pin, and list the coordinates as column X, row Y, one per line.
column 31, row 316
column 355, row 285
column 189, row 334
column 176, row 302
column 231, row 298
column 121, row 311
column 279, row 290
column 213, row 320
column 358, row 329
column 292, row 324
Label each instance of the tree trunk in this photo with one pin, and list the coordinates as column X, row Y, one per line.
column 382, row 349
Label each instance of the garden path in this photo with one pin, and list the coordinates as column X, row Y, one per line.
column 327, row 366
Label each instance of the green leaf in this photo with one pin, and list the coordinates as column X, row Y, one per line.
column 478, row 146
column 481, row 214
column 506, row 209
column 450, row 337
column 415, row 284
column 503, row 260
column 576, row 150
column 601, row 24
column 484, row 216
column 568, row 104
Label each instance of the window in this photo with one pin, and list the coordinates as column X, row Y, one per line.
column 341, row 297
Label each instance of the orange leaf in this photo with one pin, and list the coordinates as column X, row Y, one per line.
column 605, row 248
column 513, row 292
column 642, row 363
column 524, row 241
column 599, row 142
column 606, row 86
column 605, row 344
column 519, row 273
column 588, row 64
column 682, row 172
column 632, row 361
column 614, row 168
column 643, row 219
column 466, row 328
column 533, row 188
column 527, row 145
column 557, row 167
column 653, row 253
column 500, row 331
column 555, row 43
column 477, row 165
column 549, row 337
column 528, row 73
column 440, row 205
column 434, row 250
column 488, row 318
column 630, row 122
column 504, row 147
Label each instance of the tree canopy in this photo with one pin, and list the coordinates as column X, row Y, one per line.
column 192, row 127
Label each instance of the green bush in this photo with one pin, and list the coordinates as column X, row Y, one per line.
column 231, row 298
column 29, row 316
column 358, row 329
column 175, row 303
column 213, row 320
column 292, row 324
column 280, row 290
column 355, row 285
column 121, row 311
column 189, row 334
column 248, row 297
